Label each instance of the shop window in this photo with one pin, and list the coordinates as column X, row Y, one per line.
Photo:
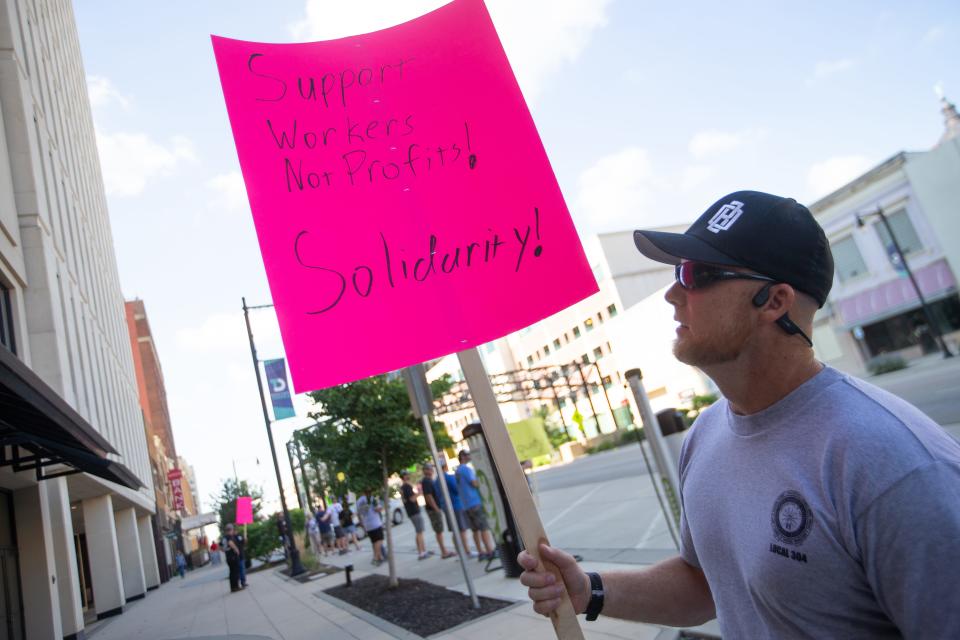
column 847, row 260
column 902, row 229
column 6, row 320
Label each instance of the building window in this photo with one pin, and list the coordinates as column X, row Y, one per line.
column 847, row 260
column 598, row 353
column 556, row 343
column 607, row 382
column 588, row 323
column 585, row 359
column 903, row 230
column 566, row 338
column 546, row 350
column 609, row 348
column 530, row 360
column 6, row 320
column 576, row 332
column 599, row 317
column 612, row 310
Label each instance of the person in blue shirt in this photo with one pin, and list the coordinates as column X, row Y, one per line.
column 462, row 525
column 473, row 506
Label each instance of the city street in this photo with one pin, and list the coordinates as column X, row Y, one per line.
column 932, row 384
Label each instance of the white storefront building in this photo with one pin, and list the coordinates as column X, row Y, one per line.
column 76, row 492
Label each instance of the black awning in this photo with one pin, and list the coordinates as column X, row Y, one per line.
column 42, row 430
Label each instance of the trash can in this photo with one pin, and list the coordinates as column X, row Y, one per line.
column 510, row 548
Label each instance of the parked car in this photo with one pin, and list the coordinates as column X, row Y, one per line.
column 396, row 509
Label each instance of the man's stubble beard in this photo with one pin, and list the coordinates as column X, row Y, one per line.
column 722, row 345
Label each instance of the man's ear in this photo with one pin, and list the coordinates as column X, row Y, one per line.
column 780, row 300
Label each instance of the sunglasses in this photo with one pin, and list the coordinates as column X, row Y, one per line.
column 696, row 275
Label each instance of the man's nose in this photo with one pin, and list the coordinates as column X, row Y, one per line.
column 674, row 294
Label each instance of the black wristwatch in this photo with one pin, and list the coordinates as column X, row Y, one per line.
column 595, row 606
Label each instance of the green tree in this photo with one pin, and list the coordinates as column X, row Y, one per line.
column 226, row 501
column 366, row 430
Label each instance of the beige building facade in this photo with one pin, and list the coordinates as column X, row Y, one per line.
column 76, row 492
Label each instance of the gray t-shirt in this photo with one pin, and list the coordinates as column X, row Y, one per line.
column 835, row 513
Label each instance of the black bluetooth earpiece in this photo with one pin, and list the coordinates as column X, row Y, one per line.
column 763, row 295
column 784, row 321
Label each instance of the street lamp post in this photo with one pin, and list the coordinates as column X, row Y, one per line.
column 916, row 287
column 296, row 568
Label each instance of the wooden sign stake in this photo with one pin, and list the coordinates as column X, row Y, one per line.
column 564, row 619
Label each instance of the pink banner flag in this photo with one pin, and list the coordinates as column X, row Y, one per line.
column 403, row 200
column 244, row 510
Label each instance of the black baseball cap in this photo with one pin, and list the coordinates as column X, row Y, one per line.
column 774, row 236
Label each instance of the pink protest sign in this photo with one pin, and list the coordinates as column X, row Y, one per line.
column 403, row 200
column 244, row 510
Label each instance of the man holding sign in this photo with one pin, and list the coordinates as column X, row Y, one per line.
column 814, row 504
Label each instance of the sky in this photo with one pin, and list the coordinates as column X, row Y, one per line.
column 648, row 111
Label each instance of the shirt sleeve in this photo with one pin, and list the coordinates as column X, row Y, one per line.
column 907, row 539
column 687, row 551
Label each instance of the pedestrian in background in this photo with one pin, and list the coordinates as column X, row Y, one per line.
column 473, row 506
column 408, row 496
column 181, row 564
column 313, row 531
column 214, row 553
column 433, row 498
column 322, row 516
column 234, row 557
column 349, row 528
column 369, row 510
column 461, row 525
column 339, row 537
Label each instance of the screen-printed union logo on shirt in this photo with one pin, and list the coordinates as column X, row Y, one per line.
column 791, row 518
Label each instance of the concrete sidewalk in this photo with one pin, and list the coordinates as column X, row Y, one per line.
column 278, row 608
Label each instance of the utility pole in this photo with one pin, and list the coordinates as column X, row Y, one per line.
column 296, row 568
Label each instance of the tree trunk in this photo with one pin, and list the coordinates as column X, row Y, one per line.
column 388, row 522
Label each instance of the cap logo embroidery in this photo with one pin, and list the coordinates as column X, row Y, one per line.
column 726, row 216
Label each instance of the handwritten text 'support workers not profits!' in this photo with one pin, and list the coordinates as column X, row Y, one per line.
column 403, row 201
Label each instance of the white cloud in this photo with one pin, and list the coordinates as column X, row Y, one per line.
column 130, row 160
column 831, row 174
column 614, row 189
column 539, row 36
column 102, row 92
column 826, row 68
column 934, row 34
column 230, row 194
